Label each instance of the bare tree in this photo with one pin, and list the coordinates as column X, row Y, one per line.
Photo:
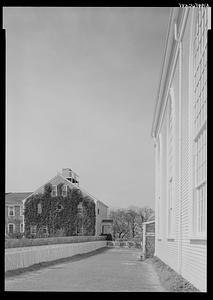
column 128, row 223
column 120, row 223
column 132, row 217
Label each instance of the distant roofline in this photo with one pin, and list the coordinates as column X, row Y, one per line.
column 17, row 193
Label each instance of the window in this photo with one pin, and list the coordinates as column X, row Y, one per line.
column 80, row 209
column 170, row 207
column 21, row 210
column 200, row 121
column 64, row 190
column 45, row 230
column 106, row 229
column 21, row 227
column 39, row 208
column 11, row 211
column 11, row 228
column 159, row 184
column 33, row 229
column 54, row 190
column 79, row 228
column 157, row 188
column 80, row 219
column 170, row 163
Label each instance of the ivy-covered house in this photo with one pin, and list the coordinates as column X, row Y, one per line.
column 61, row 207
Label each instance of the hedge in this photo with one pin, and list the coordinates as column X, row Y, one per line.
column 24, row 242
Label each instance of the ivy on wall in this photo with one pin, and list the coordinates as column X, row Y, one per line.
column 59, row 214
column 88, row 216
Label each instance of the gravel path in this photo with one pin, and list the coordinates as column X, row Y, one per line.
column 113, row 270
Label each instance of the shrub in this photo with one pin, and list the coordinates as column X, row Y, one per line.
column 107, row 235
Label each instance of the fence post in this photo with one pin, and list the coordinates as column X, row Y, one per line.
column 144, row 242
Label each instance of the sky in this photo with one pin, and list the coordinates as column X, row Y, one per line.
column 81, row 86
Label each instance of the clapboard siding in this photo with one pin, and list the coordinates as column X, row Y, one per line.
column 190, row 262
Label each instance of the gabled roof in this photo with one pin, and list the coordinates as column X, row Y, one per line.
column 16, row 198
column 71, row 185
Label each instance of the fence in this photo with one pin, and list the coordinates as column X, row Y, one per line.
column 148, row 239
column 16, row 258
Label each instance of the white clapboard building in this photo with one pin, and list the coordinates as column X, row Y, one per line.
column 179, row 131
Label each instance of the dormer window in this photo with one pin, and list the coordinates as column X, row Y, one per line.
column 54, row 191
column 64, row 190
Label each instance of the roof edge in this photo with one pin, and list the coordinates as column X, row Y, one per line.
column 165, row 61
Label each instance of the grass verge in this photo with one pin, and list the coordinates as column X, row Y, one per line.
column 46, row 264
column 170, row 280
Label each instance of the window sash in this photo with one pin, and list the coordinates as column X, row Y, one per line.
column 170, row 206
column 11, row 211
column 200, row 205
column 33, row 229
column 45, row 230
column 200, row 121
column 64, row 190
column 21, row 210
column 13, row 227
column 54, row 190
column 80, row 209
column 21, row 227
column 170, row 163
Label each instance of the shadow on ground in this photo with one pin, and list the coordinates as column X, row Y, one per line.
column 46, row 264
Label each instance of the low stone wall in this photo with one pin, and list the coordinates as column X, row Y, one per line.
column 16, row 258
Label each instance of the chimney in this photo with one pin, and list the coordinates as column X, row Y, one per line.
column 70, row 175
column 67, row 173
